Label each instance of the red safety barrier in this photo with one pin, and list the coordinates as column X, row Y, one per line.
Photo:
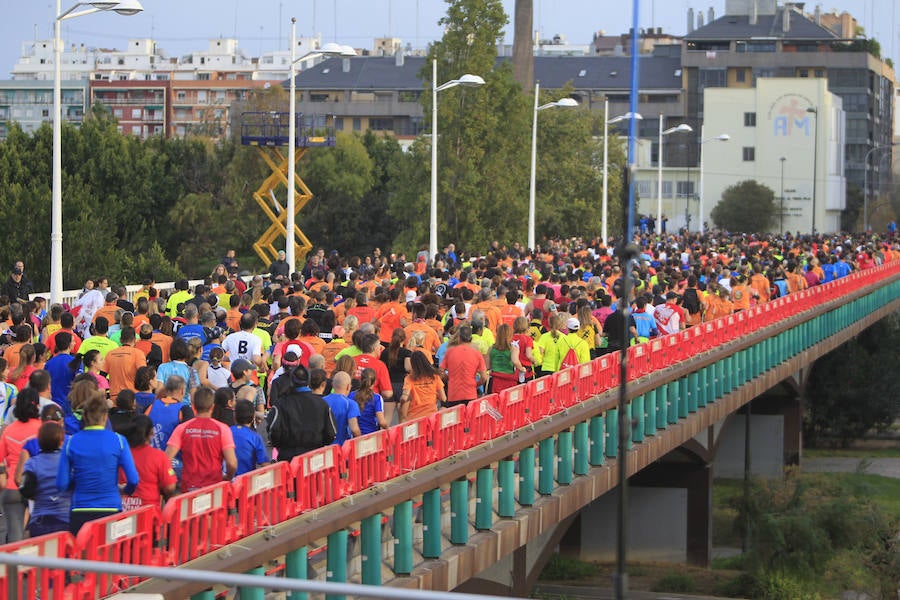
column 128, row 538
column 606, row 371
column 448, row 429
column 707, row 335
column 659, row 355
column 318, row 477
column 48, row 584
column 564, row 388
column 483, row 417
column 199, row 522
column 513, row 405
column 410, row 445
column 586, row 384
column 367, row 460
column 265, row 497
column 673, row 349
column 638, row 361
column 540, row 391
column 688, row 343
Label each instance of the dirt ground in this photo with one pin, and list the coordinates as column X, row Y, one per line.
column 645, row 575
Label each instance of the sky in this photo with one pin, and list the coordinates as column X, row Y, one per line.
column 182, row 26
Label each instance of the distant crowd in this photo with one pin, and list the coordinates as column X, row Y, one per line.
column 121, row 401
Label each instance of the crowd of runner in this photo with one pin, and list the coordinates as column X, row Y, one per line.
column 120, row 401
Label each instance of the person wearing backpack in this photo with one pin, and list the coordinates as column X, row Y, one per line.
column 691, row 303
column 573, row 349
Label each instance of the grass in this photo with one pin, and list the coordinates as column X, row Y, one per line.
column 564, row 568
column 851, row 452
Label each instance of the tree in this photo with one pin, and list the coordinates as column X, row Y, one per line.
column 851, row 216
column 854, row 388
column 746, row 206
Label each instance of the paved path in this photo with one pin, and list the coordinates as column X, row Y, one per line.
column 573, row 592
column 886, row 467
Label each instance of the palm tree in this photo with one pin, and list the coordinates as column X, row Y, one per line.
column 523, row 44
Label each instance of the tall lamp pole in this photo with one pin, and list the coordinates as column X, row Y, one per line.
column 125, row 8
column 814, row 111
column 466, row 80
column 606, row 123
column 866, row 182
column 331, row 48
column 722, row 137
column 681, row 127
column 562, row 102
column 781, row 221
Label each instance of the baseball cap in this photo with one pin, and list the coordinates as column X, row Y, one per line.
column 214, row 332
column 240, row 366
column 292, row 355
column 572, row 324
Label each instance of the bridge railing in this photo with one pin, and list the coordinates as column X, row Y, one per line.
column 569, row 416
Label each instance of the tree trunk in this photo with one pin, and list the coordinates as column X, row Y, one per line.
column 523, row 44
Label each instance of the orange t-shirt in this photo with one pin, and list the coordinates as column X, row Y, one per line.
column 423, row 394
column 122, row 364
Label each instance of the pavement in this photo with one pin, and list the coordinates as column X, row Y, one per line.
column 571, row 592
column 886, row 467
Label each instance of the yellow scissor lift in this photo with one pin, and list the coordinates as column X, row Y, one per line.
column 269, row 132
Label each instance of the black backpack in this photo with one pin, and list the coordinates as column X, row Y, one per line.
column 691, row 301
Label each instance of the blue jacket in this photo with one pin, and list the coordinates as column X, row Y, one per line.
column 89, row 466
column 49, row 501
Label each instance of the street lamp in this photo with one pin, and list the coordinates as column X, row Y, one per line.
column 125, row 8
column 466, row 80
column 781, row 223
column 815, row 112
column 682, row 127
column 606, row 123
column 563, row 103
column 866, row 182
column 329, row 48
column 722, row 137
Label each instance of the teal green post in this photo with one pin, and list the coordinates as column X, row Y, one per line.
column 370, row 548
column 336, row 561
column 693, row 391
column 636, row 409
column 254, row 593
column 431, row 523
column 662, row 393
column 629, row 428
column 564, row 451
column 547, row 461
column 506, row 494
column 204, row 595
column 612, row 432
column 459, row 511
column 526, row 476
column 650, row 414
column 672, row 402
column 720, row 379
column 683, row 398
column 598, row 440
column 703, row 386
column 484, row 499
column 295, row 564
column 403, row 534
column 582, row 448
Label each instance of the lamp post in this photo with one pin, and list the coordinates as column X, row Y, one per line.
column 722, row 137
column 681, row 127
column 564, row 103
column 781, row 220
column 866, row 182
column 606, row 123
column 814, row 111
column 125, row 8
column 329, row 48
column 466, row 80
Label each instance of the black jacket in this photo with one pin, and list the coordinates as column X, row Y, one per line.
column 16, row 289
column 299, row 421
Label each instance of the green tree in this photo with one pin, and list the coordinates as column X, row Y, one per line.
column 854, row 388
column 746, row 206
column 851, row 216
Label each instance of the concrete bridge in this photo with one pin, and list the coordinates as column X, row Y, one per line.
column 477, row 499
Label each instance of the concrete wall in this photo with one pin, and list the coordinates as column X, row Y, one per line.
column 657, row 526
column 766, row 447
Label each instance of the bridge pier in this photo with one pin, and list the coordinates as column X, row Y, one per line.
column 776, row 434
column 670, row 515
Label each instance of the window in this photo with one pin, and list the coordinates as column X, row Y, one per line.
column 201, row 96
column 339, row 123
column 357, row 124
column 819, row 73
column 377, row 124
column 802, row 72
column 749, row 119
column 220, row 96
column 135, row 113
column 748, row 153
column 318, row 97
column 45, row 112
column 181, row 95
column 667, row 189
column 685, row 189
column 644, row 189
column 740, row 76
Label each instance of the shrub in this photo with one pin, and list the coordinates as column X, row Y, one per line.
column 563, row 568
column 675, row 582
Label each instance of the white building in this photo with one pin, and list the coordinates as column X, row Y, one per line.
column 36, row 62
column 795, row 119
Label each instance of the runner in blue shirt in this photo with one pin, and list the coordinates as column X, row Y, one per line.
column 344, row 410
column 248, row 445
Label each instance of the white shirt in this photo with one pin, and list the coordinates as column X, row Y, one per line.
column 242, row 344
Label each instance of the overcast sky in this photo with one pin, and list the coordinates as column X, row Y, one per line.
column 181, row 26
